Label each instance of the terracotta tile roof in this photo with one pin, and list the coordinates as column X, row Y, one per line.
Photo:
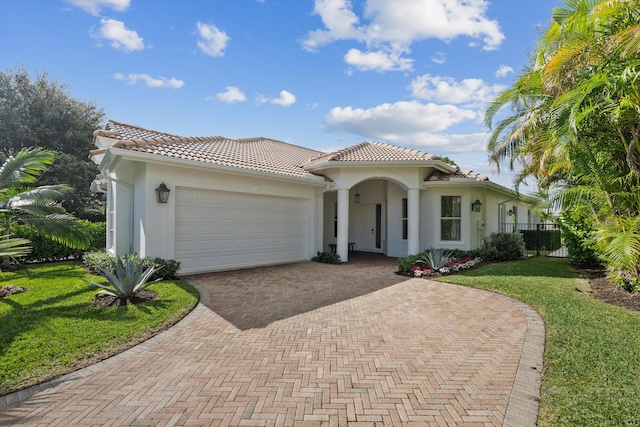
column 261, row 154
column 444, row 176
column 119, row 130
column 373, row 151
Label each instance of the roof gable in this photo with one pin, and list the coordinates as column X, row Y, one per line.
column 371, row 152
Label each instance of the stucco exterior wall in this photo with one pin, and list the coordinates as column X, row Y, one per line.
column 154, row 223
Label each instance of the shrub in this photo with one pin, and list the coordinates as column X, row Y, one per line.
column 406, row 263
column 577, row 235
column 327, row 258
column 46, row 249
column 508, row 245
column 95, row 261
column 167, row 268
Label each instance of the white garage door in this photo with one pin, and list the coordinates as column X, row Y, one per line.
column 218, row 230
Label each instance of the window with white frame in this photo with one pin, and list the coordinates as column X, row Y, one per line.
column 451, row 218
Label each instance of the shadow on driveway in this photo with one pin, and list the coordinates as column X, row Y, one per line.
column 253, row 298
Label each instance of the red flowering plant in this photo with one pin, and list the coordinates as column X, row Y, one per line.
column 418, row 271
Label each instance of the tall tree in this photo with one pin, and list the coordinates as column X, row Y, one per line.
column 39, row 112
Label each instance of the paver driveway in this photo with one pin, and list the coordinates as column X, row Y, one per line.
column 310, row 344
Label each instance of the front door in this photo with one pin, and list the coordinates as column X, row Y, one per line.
column 370, row 228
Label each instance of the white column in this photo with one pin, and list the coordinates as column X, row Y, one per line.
column 413, row 220
column 343, row 225
column 319, row 224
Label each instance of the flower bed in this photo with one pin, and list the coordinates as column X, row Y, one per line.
column 453, row 265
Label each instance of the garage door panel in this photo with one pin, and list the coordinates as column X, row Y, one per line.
column 221, row 230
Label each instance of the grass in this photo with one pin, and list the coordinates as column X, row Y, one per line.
column 592, row 356
column 52, row 328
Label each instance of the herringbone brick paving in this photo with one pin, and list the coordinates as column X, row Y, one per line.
column 307, row 345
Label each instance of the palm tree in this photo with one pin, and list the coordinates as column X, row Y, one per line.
column 38, row 206
column 575, row 125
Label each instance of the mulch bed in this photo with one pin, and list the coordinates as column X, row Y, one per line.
column 107, row 300
column 609, row 293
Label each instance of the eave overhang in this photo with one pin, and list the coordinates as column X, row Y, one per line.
column 337, row 164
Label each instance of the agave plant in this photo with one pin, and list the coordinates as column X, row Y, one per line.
column 129, row 278
column 436, row 258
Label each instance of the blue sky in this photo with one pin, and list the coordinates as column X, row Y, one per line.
column 323, row 74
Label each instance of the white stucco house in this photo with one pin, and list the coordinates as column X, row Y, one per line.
column 251, row 202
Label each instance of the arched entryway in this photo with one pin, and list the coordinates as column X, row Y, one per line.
column 378, row 218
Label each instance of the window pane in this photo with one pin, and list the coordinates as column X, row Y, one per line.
column 451, row 206
column 450, row 229
column 404, row 208
column 405, row 229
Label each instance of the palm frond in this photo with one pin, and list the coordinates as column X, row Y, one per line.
column 13, row 247
column 24, row 168
column 59, row 227
column 43, row 193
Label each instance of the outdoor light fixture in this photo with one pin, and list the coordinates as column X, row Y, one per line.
column 356, row 197
column 162, row 193
column 476, row 206
column 510, row 213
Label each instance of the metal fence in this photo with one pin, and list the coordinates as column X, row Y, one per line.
column 540, row 239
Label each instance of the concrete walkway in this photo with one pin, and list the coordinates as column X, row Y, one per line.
column 310, row 344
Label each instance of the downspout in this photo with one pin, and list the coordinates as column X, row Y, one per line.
column 126, row 184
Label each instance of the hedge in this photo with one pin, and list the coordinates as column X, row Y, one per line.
column 46, row 249
column 549, row 240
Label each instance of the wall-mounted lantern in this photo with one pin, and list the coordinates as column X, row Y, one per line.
column 356, row 197
column 510, row 213
column 162, row 193
column 476, row 206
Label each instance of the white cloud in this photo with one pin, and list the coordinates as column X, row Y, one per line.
column 410, row 124
column 392, row 26
column 503, row 71
column 439, row 58
column 472, row 92
column 119, row 36
column 379, row 61
column 150, row 81
column 211, row 40
column 94, row 6
column 398, row 121
column 286, row 99
column 441, row 144
column 339, row 20
column 231, row 95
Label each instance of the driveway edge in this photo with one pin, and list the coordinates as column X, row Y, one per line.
column 524, row 401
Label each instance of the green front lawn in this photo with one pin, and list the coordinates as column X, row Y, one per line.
column 52, row 328
column 592, row 357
